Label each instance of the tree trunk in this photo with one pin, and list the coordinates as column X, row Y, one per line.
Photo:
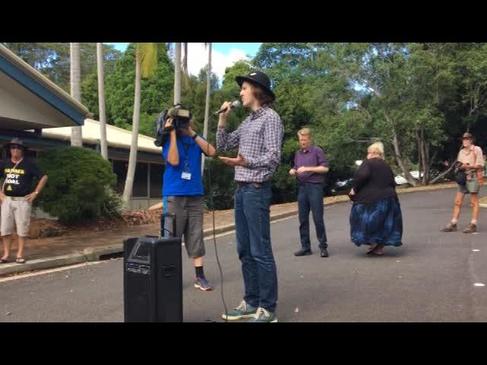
column 129, row 181
column 76, row 134
column 425, row 162
column 185, row 59
column 444, row 173
column 207, row 103
column 101, row 100
column 397, row 154
column 177, row 74
column 420, row 151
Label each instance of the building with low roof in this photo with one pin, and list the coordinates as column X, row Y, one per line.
column 38, row 111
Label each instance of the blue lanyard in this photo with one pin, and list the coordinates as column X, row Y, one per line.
column 186, row 147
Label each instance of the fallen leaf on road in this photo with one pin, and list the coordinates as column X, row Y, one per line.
column 8, row 313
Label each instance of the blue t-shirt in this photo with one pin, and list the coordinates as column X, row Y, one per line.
column 189, row 161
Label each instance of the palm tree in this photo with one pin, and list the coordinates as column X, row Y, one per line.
column 145, row 64
column 207, row 101
column 177, row 75
column 76, row 135
column 185, row 60
column 101, row 100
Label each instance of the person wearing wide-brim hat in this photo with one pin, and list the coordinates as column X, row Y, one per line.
column 258, row 140
column 16, row 196
column 470, row 166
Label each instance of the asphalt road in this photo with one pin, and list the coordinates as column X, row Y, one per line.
column 431, row 277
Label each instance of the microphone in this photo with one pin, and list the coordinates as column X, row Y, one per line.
column 234, row 104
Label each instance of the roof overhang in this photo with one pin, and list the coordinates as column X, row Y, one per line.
column 29, row 100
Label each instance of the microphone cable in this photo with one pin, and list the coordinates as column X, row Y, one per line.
column 208, row 174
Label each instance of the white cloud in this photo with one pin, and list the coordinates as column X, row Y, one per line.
column 198, row 58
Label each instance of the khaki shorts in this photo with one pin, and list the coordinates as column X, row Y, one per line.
column 471, row 187
column 16, row 212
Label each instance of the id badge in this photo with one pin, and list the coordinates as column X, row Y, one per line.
column 186, row 175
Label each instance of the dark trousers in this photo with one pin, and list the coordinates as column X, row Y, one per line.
column 310, row 197
column 252, row 221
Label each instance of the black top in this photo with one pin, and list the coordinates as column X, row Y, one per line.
column 18, row 181
column 374, row 180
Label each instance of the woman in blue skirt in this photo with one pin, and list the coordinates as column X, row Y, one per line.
column 375, row 218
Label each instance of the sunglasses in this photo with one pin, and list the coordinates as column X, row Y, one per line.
column 15, row 147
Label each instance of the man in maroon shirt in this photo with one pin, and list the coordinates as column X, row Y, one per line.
column 310, row 165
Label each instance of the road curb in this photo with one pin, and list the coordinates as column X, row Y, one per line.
column 88, row 254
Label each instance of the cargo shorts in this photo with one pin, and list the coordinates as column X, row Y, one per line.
column 15, row 213
column 189, row 222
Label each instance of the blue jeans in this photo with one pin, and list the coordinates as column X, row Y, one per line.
column 310, row 197
column 252, row 221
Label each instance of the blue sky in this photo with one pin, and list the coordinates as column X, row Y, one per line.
column 248, row 48
column 224, row 55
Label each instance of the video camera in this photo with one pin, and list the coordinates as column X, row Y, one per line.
column 181, row 118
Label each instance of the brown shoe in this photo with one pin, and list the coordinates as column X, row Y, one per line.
column 450, row 228
column 471, row 228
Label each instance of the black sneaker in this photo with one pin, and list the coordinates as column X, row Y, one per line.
column 471, row 228
column 303, row 252
column 450, row 228
column 323, row 252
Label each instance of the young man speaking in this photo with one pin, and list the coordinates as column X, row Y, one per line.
column 258, row 140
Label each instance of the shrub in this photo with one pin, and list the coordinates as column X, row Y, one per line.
column 80, row 185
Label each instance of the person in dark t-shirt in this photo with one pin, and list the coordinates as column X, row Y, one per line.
column 16, row 196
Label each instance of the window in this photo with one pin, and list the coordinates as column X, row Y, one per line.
column 156, row 172
column 120, row 169
column 140, row 181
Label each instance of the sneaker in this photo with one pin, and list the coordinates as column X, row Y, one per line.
column 202, row 284
column 303, row 252
column 471, row 228
column 242, row 311
column 263, row 315
column 323, row 252
column 450, row 228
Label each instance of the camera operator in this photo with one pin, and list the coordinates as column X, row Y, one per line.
column 183, row 188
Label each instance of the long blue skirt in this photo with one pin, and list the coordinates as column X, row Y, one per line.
column 379, row 222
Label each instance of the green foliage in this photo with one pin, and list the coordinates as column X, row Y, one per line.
column 53, row 60
column 80, row 185
column 157, row 91
column 349, row 94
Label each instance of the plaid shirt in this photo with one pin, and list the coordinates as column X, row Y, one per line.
column 259, row 140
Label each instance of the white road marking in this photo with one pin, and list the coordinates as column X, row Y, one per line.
column 49, row 271
column 478, row 284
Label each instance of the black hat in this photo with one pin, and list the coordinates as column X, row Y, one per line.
column 16, row 141
column 259, row 78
